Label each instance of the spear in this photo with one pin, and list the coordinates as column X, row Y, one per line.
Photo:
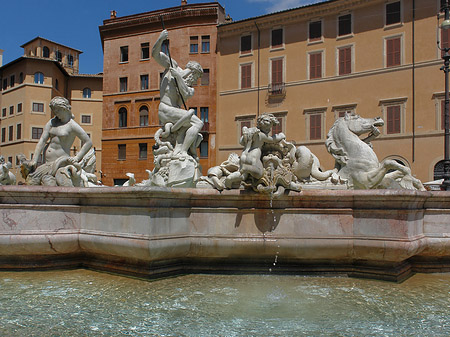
column 171, row 65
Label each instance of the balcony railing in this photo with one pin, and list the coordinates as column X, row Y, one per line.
column 277, row 89
column 205, row 127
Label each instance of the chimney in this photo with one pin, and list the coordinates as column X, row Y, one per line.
column 1, row 57
column 113, row 14
column 183, row 2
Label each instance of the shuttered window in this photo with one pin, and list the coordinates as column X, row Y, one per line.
column 345, row 61
column 393, row 52
column 315, row 126
column 277, row 71
column 246, row 76
column 393, row 119
column 315, row 65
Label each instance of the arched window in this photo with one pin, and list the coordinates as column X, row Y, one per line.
column 39, row 78
column 122, row 118
column 58, row 56
column 20, row 78
column 86, row 93
column 143, row 116
column 45, row 52
column 439, row 170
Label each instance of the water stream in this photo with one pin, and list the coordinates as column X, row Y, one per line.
column 86, row 303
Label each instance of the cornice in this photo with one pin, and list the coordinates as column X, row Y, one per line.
column 290, row 16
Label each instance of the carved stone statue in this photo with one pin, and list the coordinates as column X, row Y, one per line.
column 217, row 174
column 6, row 176
column 175, row 151
column 357, row 162
column 59, row 168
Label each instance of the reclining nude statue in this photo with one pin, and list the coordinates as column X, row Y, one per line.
column 357, row 162
column 59, row 168
column 175, row 151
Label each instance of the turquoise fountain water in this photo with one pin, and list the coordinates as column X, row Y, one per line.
column 86, row 303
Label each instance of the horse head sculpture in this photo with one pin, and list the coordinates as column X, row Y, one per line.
column 357, row 162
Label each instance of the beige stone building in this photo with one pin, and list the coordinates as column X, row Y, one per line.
column 310, row 65
column 47, row 69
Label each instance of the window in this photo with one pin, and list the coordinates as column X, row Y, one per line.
column 143, row 116
column 122, row 118
column 144, row 82
column 45, row 52
column 345, row 60
column 145, row 51
column 20, row 78
column 86, row 93
column 393, row 52
column 276, row 76
column 58, row 56
column 12, row 80
column 345, row 25
column 4, row 112
column 315, row 126
column 195, row 110
column 11, row 133
column 193, row 48
column 11, row 110
column 165, row 47
column 36, row 133
column 393, row 119
column 3, row 135
column 205, row 44
column 19, row 131
column 342, row 110
column 10, row 159
column 70, row 60
column 315, row 65
column 246, row 44
column 242, row 121
column 124, row 54
column 19, row 108
column 142, row 151
column 205, row 77
column 39, row 78
column 393, row 13
column 5, row 83
column 86, row 119
column 277, row 37
column 56, row 84
column 38, row 107
column 122, row 152
column 246, row 76
column 204, row 148
column 204, row 111
column 315, row 30
column 123, row 84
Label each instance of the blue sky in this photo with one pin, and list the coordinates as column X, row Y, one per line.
column 75, row 23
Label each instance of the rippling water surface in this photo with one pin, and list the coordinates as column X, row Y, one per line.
column 86, row 303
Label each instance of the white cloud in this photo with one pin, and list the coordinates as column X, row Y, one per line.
column 283, row 4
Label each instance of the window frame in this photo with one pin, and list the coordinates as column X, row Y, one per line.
column 401, row 51
column 322, row 63
column 145, row 46
column 123, row 84
column 122, row 152
column 206, row 43
column 141, row 114
column 193, row 44
column 40, row 79
column 313, row 112
column 141, row 146
column 38, row 130
column 385, row 104
column 338, row 59
column 122, row 121
column 283, row 69
column 124, row 56
column 87, row 93
column 247, row 64
column 147, row 82
column 246, row 52
column 394, row 24
column 316, row 39
column 282, row 44
column 338, row 28
column 18, row 131
column 39, row 104
column 243, row 119
column 86, row 123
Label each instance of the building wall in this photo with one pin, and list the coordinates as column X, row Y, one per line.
column 132, row 31
column 416, row 84
column 57, row 82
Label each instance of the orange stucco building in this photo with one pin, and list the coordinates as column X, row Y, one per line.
column 47, row 69
column 131, row 83
column 310, row 65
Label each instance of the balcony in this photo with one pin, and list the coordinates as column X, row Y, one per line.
column 205, row 127
column 277, row 89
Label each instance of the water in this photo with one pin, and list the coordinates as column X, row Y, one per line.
column 86, row 303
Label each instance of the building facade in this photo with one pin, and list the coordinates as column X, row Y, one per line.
column 47, row 69
column 131, row 83
column 310, row 65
